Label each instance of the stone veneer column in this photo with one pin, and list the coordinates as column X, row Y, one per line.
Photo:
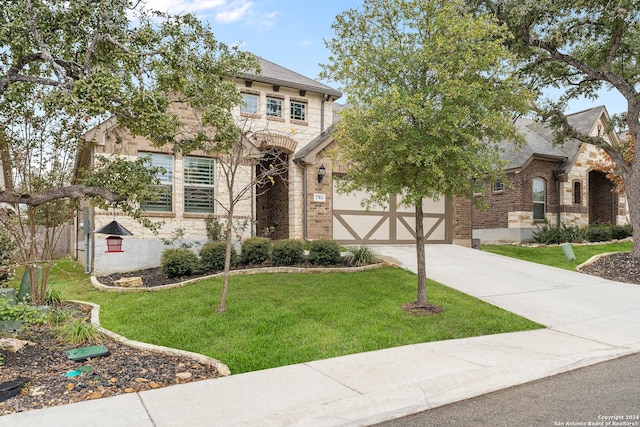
column 296, row 201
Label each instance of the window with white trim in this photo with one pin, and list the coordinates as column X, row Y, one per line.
column 198, row 184
column 498, row 186
column 274, row 107
column 539, row 198
column 164, row 203
column 250, row 103
column 298, row 111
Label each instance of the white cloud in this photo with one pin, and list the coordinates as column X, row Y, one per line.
column 233, row 12
column 267, row 20
column 189, row 6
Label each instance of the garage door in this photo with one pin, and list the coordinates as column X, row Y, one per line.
column 392, row 224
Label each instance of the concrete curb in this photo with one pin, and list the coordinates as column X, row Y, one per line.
column 222, row 369
column 319, row 270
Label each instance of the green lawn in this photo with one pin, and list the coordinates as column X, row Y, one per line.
column 553, row 255
column 281, row 319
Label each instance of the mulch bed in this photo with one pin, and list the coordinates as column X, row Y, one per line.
column 124, row 370
column 619, row 267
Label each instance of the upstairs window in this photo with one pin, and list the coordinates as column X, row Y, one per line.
column 498, row 186
column 164, row 203
column 298, row 111
column 198, row 185
column 539, row 198
column 274, row 107
column 250, row 103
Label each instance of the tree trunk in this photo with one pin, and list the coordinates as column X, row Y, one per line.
column 227, row 263
column 632, row 190
column 421, row 300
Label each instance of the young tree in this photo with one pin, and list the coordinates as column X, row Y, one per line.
column 89, row 60
column 581, row 47
column 243, row 159
column 429, row 89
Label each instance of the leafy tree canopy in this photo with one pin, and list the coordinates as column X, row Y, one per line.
column 582, row 46
column 430, row 87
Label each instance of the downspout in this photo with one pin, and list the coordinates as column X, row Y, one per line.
column 325, row 97
column 556, row 175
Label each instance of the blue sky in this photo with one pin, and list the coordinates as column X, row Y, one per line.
column 291, row 33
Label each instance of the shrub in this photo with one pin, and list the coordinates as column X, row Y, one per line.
column 21, row 311
column 324, row 252
column 287, row 252
column 213, row 254
column 176, row 262
column 598, row 233
column 621, row 231
column 547, row 234
column 550, row 234
column 53, row 297
column 361, row 255
column 78, row 332
column 255, row 250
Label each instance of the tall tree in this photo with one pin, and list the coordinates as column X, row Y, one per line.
column 582, row 47
column 429, row 88
column 93, row 59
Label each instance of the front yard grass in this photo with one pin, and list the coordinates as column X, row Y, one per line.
column 281, row 319
column 552, row 255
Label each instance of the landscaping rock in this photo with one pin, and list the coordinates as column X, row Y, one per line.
column 129, row 282
column 13, row 344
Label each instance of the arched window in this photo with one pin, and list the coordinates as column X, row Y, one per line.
column 577, row 193
column 539, row 198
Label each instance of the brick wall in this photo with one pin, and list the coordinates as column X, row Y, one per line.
column 516, row 197
column 461, row 221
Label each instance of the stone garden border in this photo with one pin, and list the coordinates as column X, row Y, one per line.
column 222, row 369
column 309, row 270
column 593, row 259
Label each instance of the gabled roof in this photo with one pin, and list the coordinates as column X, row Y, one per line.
column 277, row 75
column 539, row 140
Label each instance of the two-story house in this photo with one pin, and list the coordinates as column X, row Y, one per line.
column 287, row 112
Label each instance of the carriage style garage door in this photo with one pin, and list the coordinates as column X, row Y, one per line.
column 353, row 224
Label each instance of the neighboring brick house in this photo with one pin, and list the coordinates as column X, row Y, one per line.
column 557, row 184
column 290, row 113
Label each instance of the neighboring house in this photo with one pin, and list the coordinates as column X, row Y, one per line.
column 557, row 184
column 287, row 112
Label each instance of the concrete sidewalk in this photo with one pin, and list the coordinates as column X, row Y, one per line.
column 589, row 320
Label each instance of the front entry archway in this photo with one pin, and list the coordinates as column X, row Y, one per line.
column 603, row 203
column 272, row 202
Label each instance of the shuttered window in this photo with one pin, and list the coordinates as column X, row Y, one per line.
column 164, row 203
column 198, row 185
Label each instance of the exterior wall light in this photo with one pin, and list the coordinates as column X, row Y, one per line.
column 321, row 173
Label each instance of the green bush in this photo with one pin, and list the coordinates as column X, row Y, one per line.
column 287, row 252
column 324, row 252
column 361, row 255
column 176, row 262
column 550, row 234
column 598, row 233
column 213, row 254
column 255, row 250
column 621, row 231
column 21, row 311
column 547, row 234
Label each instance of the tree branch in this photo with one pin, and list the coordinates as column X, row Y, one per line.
column 49, row 195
